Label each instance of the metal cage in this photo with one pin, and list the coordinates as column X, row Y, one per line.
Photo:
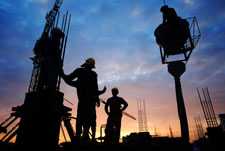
column 184, row 52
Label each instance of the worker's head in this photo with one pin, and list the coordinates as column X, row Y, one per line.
column 115, row 91
column 164, row 8
column 90, row 63
column 168, row 12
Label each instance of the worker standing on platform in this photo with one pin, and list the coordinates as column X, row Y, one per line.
column 173, row 32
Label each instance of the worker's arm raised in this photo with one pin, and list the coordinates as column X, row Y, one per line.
column 69, row 78
column 102, row 91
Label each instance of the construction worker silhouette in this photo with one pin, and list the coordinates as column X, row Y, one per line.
column 53, row 59
column 47, row 55
column 173, row 33
column 114, row 107
column 88, row 97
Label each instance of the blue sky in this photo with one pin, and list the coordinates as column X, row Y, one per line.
column 119, row 35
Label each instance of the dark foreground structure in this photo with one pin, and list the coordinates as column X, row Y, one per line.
column 159, row 144
column 133, row 142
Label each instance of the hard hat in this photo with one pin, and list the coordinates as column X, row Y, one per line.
column 90, row 62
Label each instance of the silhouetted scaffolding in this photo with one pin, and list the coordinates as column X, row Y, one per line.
column 142, row 116
column 54, row 36
column 171, row 132
column 40, row 117
column 199, row 127
column 207, row 107
column 222, row 121
column 215, row 134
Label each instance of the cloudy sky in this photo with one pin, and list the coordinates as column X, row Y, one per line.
column 119, row 35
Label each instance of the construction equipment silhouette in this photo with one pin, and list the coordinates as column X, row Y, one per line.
column 142, row 116
column 9, row 127
column 207, row 107
column 177, row 38
column 43, row 110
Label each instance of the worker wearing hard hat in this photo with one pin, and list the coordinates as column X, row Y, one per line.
column 88, row 97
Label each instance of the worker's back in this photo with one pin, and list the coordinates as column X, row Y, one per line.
column 115, row 104
column 86, row 84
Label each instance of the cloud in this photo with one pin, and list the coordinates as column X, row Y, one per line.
column 38, row 1
column 189, row 2
column 5, row 5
